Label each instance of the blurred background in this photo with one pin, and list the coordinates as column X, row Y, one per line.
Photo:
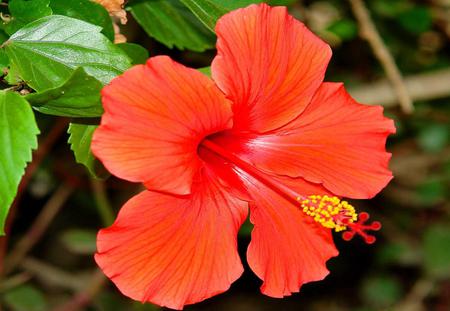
column 49, row 263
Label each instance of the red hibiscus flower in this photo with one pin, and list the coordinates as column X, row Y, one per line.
column 265, row 134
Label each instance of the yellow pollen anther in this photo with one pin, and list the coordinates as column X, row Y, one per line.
column 330, row 212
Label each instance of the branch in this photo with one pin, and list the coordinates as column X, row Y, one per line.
column 101, row 200
column 381, row 52
column 44, row 147
column 84, row 297
column 424, row 86
column 53, row 276
column 38, row 228
column 415, row 298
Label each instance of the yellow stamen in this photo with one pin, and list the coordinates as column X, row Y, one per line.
column 328, row 211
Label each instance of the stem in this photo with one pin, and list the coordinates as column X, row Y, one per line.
column 53, row 276
column 381, row 52
column 38, row 228
column 423, row 86
column 101, row 199
column 43, row 149
column 83, row 298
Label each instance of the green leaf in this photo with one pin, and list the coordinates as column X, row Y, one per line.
column 205, row 71
column 80, row 241
column 25, row 298
column 416, row 20
column 345, row 29
column 381, row 291
column 80, row 143
column 12, row 77
column 431, row 191
column 434, row 137
column 207, row 11
column 172, row 24
column 87, row 11
column 281, row 2
column 47, row 51
column 18, row 131
column 3, row 36
column 135, row 52
column 436, row 251
column 235, row 4
column 25, row 11
column 79, row 96
column 4, row 60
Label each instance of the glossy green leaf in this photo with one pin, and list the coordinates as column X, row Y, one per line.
column 172, row 24
column 235, row 4
column 281, row 2
column 25, row 11
column 86, row 10
column 47, row 51
column 80, row 142
column 79, row 96
column 80, row 241
column 18, row 136
column 436, row 251
column 25, row 298
column 4, row 60
column 3, row 36
column 207, row 11
column 136, row 53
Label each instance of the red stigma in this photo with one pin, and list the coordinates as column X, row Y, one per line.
column 360, row 228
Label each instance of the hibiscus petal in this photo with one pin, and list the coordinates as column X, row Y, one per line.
column 335, row 141
column 268, row 64
column 174, row 250
column 287, row 248
column 155, row 116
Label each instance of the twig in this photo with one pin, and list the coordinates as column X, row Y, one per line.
column 14, row 281
column 53, row 276
column 101, row 199
column 84, row 297
column 44, row 147
column 38, row 228
column 98, row 280
column 381, row 52
column 414, row 299
column 423, row 86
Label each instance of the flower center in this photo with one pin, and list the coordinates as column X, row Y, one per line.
column 329, row 211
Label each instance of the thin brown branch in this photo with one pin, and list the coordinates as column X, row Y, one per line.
column 38, row 228
column 84, row 297
column 423, row 86
column 43, row 149
column 415, row 298
column 54, row 276
column 381, row 52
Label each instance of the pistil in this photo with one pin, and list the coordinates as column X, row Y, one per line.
column 329, row 211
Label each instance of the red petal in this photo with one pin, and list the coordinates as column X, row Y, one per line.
column 288, row 248
column 268, row 64
column 155, row 116
column 174, row 250
column 335, row 141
